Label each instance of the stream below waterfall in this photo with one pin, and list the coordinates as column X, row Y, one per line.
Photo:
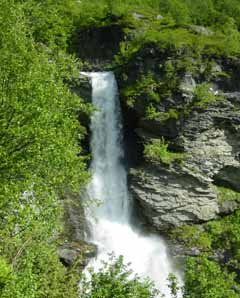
column 110, row 220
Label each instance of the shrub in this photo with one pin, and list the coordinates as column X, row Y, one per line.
column 158, row 151
column 116, row 280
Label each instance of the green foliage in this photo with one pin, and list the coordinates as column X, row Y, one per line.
column 5, row 273
column 226, row 233
column 193, row 236
column 38, row 273
column 227, row 194
column 116, row 280
column 204, row 95
column 220, row 234
column 146, row 88
column 148, row 91
column 169, row 37
column 153, row 114
column 205, row 278
column 202, row 274
column 172, row 30
column 173, row 285
column 158, row 151
column 39, row 148
column 51, row 22
column 199, row 12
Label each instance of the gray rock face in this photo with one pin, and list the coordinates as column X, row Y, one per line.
column 74, row 217
column 170, row 198
column 75, row 250
column 84, row 88
column 188, row 83
column 186, row 193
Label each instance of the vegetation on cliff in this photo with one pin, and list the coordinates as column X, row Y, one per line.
column 158, row 151
column 218, row 261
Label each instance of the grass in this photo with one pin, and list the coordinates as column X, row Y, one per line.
column 153, row 114
column 158, row 151
column 193, row 236
column 227, row 194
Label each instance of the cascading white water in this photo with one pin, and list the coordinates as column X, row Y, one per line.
column 110, row 224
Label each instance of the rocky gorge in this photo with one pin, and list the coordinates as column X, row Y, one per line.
column 181, row 124
column 187, row 191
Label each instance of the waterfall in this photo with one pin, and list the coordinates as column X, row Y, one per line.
column 110, row 222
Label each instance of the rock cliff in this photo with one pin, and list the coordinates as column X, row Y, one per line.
column 188, row 192
column 206, row 130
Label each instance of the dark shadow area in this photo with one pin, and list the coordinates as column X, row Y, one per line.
column 229, row 177
column 230, row 83
column 133, row 146
column 98, row 45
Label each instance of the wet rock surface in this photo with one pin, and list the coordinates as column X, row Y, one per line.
column 74, row 250
column 81, row 251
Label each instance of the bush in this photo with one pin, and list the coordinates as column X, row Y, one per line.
column 116, row 280
column 205, row 278
column 158, row 151
column 204, row 95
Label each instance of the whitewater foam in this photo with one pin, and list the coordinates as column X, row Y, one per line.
column 110, row 221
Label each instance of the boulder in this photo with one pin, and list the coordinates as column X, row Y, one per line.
column 229, row 176
column 70, row 253
column 170, row 198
